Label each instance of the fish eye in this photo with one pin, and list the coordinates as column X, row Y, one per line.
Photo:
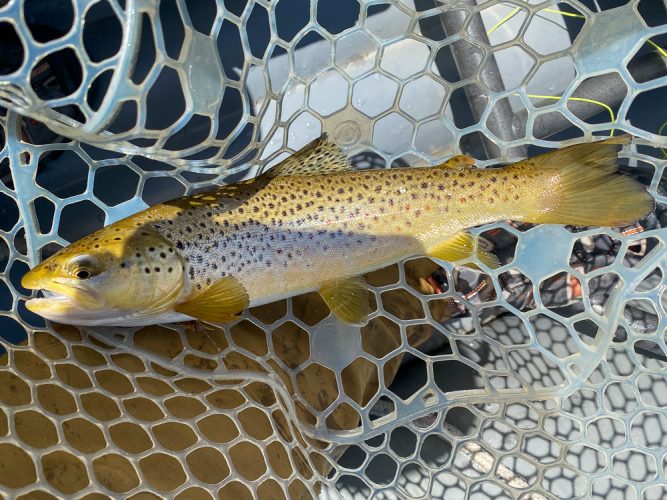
column 82, row 268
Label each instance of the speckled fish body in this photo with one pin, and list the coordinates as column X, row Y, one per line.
column 312, row 224
column 287, row 236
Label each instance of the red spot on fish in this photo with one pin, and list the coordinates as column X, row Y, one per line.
column 462, row 199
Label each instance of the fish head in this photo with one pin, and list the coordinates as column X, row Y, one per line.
column 109, row 278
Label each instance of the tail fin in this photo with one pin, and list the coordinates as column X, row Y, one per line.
column 588, row 191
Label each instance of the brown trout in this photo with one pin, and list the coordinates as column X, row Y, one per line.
column 312, row 223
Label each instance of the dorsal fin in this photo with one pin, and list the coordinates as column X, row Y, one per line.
column 319, row 157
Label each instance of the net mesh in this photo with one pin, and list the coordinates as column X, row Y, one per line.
column 544, row 378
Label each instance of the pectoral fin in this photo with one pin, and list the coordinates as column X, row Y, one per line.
column 348, row 299
column 463, row 246
column 219, row 303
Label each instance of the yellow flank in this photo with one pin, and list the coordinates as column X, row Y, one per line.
column 313, row 224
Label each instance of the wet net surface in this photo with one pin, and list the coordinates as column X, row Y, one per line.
column 545, row 378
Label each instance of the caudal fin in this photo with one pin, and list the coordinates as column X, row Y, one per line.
column 586, row 190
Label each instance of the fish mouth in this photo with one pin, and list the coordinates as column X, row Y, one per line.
column 51, row 302
column 61, row 299
column 65, row 310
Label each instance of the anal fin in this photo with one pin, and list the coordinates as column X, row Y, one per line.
column 218, row 303
column 348, row 299
column 463, row 246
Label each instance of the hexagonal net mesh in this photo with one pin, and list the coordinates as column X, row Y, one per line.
column 544, row 378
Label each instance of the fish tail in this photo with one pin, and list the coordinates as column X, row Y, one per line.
column 579, row 185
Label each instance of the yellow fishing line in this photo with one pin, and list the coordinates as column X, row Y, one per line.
column 580, row 99
column 663, row 150
column 660, row 50
column 563, row 13
column 517, row 9
column 504, row 20
column 663, row 53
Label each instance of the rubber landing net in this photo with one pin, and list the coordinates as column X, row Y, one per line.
column 543, row 379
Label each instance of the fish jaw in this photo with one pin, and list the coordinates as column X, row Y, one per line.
column 65, row 310
column 64, row 301
column 57, row 308
column 71, row 304
column 62, row 309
